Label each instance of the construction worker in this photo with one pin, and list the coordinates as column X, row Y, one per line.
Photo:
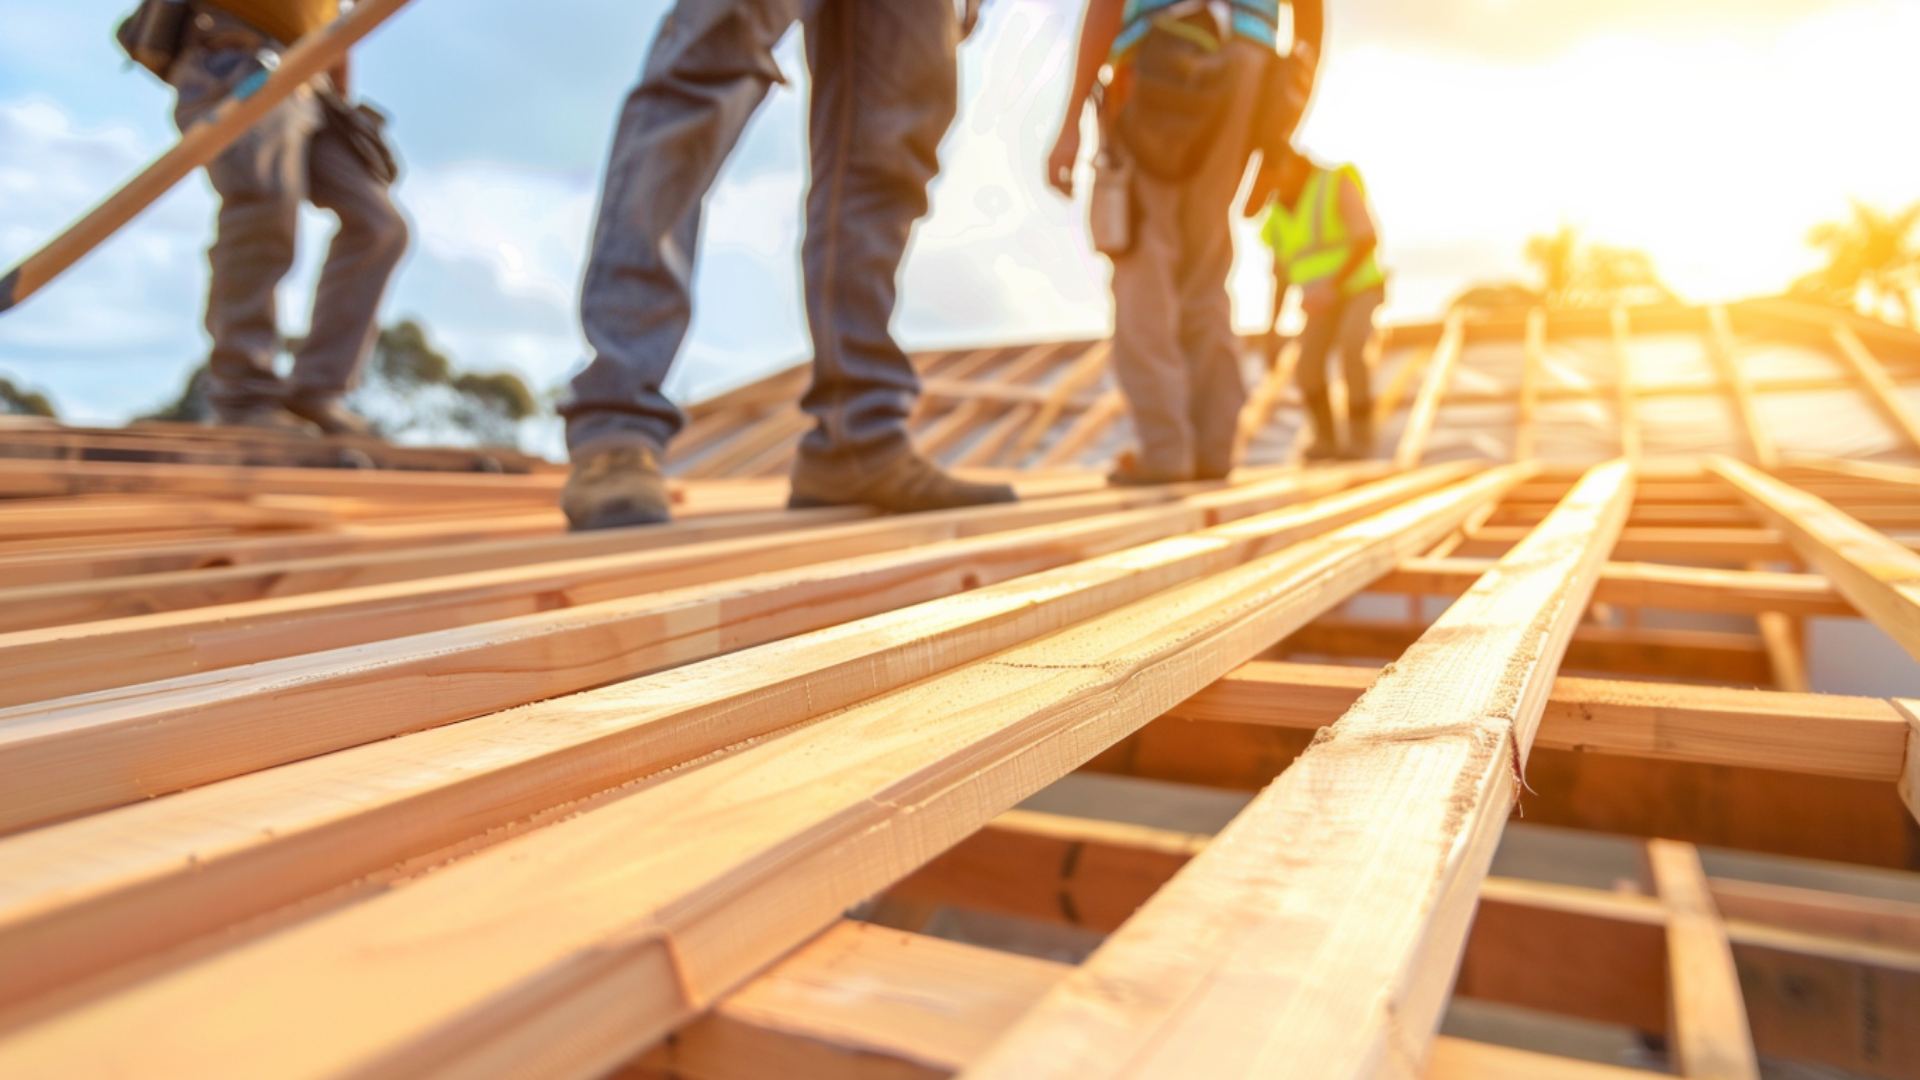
column 884, row 91
column 1174, row 176
column 311, row 148
column 1324, row 240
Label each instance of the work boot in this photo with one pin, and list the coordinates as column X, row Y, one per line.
column 1127, row 472
column 615, row 487
column 329, row 414
column 1359, row 437
column 898, row 480
column 265, row 416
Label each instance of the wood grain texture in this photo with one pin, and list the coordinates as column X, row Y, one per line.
column 1910, row 772
column 1463, row 1059
column 1721, row 350
column 87, row 753
column 1341, row 966
column 1628, row 584
column 1708, row 1025
column 1880, row 387
column 1880, row 577
column 570, row 948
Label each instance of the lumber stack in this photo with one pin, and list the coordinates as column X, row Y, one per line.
column 322, row 772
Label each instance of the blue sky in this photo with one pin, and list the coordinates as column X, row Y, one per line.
column 1712, row 132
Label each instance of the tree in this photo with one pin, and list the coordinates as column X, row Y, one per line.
column 1873, row 262
column 1575, row 273
column 17, row 400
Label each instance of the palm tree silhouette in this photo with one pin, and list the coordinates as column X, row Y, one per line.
column 1871, row 256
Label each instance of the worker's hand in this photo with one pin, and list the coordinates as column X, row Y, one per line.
column 1318, row 297
column 1066, row 151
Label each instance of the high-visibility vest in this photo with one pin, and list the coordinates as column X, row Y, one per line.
column 1310, row 238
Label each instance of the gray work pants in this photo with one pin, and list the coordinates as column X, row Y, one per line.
column 1346, row 326
column 884, row 94
column 1174, row 350
column 292, row 155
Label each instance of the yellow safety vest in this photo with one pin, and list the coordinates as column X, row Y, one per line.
column 1310, row 239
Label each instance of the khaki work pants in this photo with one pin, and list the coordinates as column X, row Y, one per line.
column 1174, row 350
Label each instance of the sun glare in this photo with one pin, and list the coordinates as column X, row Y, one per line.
column 1715, row 156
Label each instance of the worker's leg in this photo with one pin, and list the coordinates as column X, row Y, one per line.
column 710, row 67
column 261, row 180
column 1147, row 358
column 1356, row 334
column 884, row 94
column 371, row 239
column 1216, row 388
column 1316, row 345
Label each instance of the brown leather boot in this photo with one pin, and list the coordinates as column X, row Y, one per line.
column 897, row 480
column 266, row 416
column 615, row 487
column 329, row 414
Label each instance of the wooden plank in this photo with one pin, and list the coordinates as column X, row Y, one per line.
column 1526, row 438
column 1413, row 441
column 1810, row 911
column 63, row 660
column 1624, row 406
column 1818, row 734
column 70, row 756
column 764, row 434
column 30, row 478
column 232, row 849
column 568, row 949
column 1879, row 576
column 861, row 1002
column 1721, row 350
column 1340, row 967
column 1880, row 386
column 1628, row 584
column 1708, row 1027
column 30, row 607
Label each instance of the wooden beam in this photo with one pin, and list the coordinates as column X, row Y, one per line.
column 1827, row 991
column 1650, row 585
column 1413, row 441
column 1260, row 404
column 1628, row 412
column 1720, row 547
column 1818, row 734
column 569, row 949
column 1721, row 350
column 1526, row 437
column 1341, row 966
column 1879, row 576
column 43, row 478
column 80, row 755
column 1085, row 431
column 1708, row 1019
column 1796, row 814
column 860, row 1002
column 230, row 850
column 1880, row 386
column 1698, row 655
column 1083, row 373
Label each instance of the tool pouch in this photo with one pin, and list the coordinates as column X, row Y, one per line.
column 1181, row 87
column 365, row 129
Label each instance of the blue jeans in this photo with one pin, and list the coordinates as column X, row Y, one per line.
column 291, row 156
column 884, row 94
